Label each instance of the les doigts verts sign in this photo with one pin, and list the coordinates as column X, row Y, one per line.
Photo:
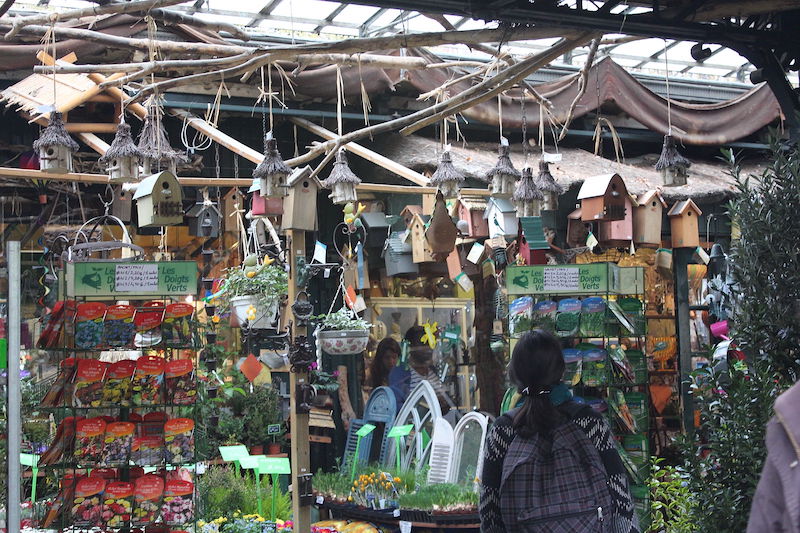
column 139, row 278
column 541, row 279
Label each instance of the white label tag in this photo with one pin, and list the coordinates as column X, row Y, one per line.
column 702, row 255
column 320, row 500
column 464, row 282
column 396, row 513
column 320, row 251
column 382, row 503
column 359, row 305
column 551, row 158
column 405, row 527
column 591, row 241
column 475, row 253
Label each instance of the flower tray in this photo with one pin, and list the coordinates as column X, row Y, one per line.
column 456, row 518
column 360, row 513
column 415, row 515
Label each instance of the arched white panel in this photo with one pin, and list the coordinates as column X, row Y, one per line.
column 441, row 461
column 421, row 409
column 469, row 439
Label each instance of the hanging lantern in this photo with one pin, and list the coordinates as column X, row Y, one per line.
column 446, row 178
column 122, row 157
column 548, row 186
column 503, row 176
column 527, row 197
column 673, row 166
column 156, row 152
column 272, row 171
column 55, row 147
column 342, row 182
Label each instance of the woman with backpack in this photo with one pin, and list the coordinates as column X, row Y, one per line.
column 551, row 465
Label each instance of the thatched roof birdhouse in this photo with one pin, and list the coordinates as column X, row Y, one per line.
column 122, row 157
column 342, row 181
column 272, row 171
column 548, row 186
column 157, row 153
column 673, row 166
column 503, row 175
column 527, row 197
column 441, row 233
column 55, row 147
column 446, row 178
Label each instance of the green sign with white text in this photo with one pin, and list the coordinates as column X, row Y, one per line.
column 121, row 279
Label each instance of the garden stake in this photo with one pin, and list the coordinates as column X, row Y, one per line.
column 398, row 432
column 365, row 430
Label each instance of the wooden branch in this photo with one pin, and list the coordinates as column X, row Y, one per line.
column 450, row 83
column 582, row 80
column 117, row 8
column 373, row 60
column 175, row 17
column 491, row 87
column 216, row 135
column 621, row 40
column 176, row 65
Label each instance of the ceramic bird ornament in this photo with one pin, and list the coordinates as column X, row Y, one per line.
column 351, row 214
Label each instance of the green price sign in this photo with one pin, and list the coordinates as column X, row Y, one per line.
column 400, row 431
column 275, row 465
column 131, row 279
column 273, row 429
column 233, row 453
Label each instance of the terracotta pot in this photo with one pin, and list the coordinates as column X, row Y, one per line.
column 343, row 342
column 273, row 448
column 256, row 450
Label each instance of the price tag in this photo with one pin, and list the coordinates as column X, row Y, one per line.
column 405, row 527
column 382, row 503
column 320, row 500
column 396, row 513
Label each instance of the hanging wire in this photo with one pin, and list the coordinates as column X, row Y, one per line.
column 269, row 95
column 500, row 115
column 339, row 98
column 669, row 99
column 524, row 128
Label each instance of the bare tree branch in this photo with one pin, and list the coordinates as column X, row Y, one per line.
column 582, row 77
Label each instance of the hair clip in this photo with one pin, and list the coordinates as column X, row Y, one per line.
column 525, row 391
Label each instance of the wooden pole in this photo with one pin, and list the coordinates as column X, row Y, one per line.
column 301, row 462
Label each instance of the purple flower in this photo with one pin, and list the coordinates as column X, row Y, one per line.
column 313, row 366
column 335, row 373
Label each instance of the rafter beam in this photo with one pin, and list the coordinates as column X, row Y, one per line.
column 363, row 30
column 266, row 10
column 329, row 19
column 656, row 55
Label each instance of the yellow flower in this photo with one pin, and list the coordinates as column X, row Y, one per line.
column 349, row 498
column 259, row 519
column 397, row 479
column 201, row 523
column 215, row 319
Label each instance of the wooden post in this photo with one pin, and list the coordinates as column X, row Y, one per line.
column 681, row 257
column 301, row 464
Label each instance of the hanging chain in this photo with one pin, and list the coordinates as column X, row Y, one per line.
column 216, row 160
column 235, row 165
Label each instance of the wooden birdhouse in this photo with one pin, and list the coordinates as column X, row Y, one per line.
column 55, row 147
column 577, row 230
column 398, row 256
column 547, row 184
column 264, row 206
column 300, row 205
column 684, row 226
column 503, row 177
column 342, row 181
column 159, row 200
column 618, row 233
column 441, row 232
column 647, row 219
column 531, row 242
column 501, row 217
column 603, row 198
column 204, row 220
column 122, row 157
column 122, row 205
column 272, row 171
column 527, row 197
column 408, row 213
column 420, row 249
column 472, row 211
column 377, row 226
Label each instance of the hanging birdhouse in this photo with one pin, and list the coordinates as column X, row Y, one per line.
column 261, row 206
column 55, row 147
column 421, row 251
column 204, row 220
column 300, row 204
column 647, row 219
column 156, row 151
column 272, row 171
column 527, row 197
column 159, row 200
column 122, row 157
column 398, row 256
column 342, row 182
column 472, row 211
column 446, row 178
column 577, row 230
column 501, row 217
column 377, row 224
column 441, row 232
column 503, row 177
column 122, row 205
column 546, row 183
column 603, row 198
column 618, row 233
column 673, row 166
column 408, row 213
column 532, row 244
column 684, row 226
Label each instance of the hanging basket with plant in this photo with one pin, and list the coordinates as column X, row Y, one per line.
column 254, row 291
column 343, row 333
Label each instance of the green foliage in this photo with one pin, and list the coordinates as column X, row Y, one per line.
column 222, row 493
column 440, row 497
column 259, row 409
column 671, row 500
column 269, row 283
column 343, row 319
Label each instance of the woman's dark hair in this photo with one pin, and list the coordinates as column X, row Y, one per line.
column 537, row 364
column 379, row 369
column 414, row 335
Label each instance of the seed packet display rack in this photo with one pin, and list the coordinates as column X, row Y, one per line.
column 150, row 413
column 592, row 374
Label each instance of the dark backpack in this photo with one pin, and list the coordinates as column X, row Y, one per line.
column 556, row 482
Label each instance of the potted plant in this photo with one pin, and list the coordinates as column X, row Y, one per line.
column 260, row 409
column 323, row 383
column 343, row 333
column 253, row 291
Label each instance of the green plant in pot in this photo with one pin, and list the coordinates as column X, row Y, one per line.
column 323, row 383
column 343, row 332
column 260, row 409
column 253, row 292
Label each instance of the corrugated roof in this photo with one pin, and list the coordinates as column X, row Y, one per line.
column 533, row 231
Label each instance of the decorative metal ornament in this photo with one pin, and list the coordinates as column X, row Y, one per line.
column 55, row 147
column 673, row 166
column 157, row 153
column 272, row 171
column 122, row 157
column 527, row 197
column 342, row 182
column 301, row 355
column 446, row 178
column 302, row 308
column 503, row 176
column 548, row 186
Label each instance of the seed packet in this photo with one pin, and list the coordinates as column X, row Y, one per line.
column 148, row 451
column 117, row 504
column 153, row 424
column 621, row 366
column 89, row 441
column 176, row 330
column 117, row 388
column 623, row 416
column 87, row 506
column 519, row 315
column 179, row 440
column 66, row 373
column 118, row 326
column 62, row 442
column 633, row 309
column 89, row 383
column 595, row 368
column 544, row 315
column 147, row 493
column 181, row 388
column 568, row 318
column 178, row 506
column 147, row 378
column 109, row 474
column 572, row 360
column 52, row 324
column 89, row 324
column 63, row 500
column 593, row 317
column 117, row 443
column 148, row 319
